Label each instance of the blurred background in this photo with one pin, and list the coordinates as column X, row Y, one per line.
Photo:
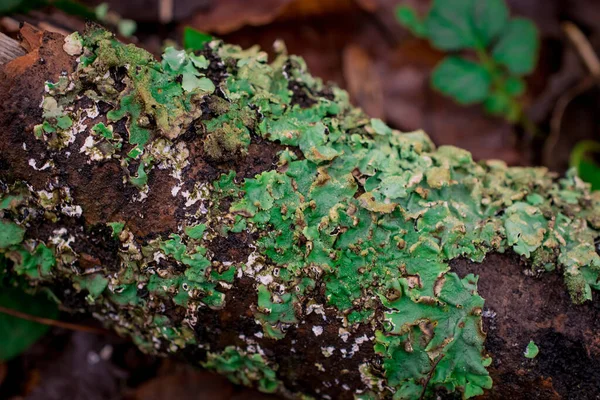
column 523, row 88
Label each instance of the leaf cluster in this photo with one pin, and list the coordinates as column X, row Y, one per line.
column 490, row 52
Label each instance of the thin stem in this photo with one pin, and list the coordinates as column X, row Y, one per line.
column 430, row 376
column 52, row 322
column 530, row 127
column 584, row 48
column 498, row 81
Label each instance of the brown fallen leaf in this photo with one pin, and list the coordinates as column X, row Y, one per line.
column 227, row 16
column 315, row 8
column 186, row 385
column 363, row 80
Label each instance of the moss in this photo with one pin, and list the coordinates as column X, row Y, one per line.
column 226, row 143
column 355, row 214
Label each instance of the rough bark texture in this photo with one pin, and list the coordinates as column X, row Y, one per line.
column 109, row 224
column 522, row 308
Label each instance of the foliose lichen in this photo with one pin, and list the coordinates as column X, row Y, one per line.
column 371, row 214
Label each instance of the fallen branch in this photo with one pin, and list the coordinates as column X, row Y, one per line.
column 245, row 216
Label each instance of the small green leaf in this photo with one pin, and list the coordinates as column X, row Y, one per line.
column 407, row 16
column 9, row 6
column 590, row 172
column 18, row 334
column 126, row 27
column 489, row 19
column 518, row 47
column 581, row 159
column 194, row 39
column 465, row 81
column 532, row 350
column 449, row 25
column 101, row 10
column 514, row 86
column 497, row 103
column 500, row 103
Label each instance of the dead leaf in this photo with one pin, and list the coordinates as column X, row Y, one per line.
column 223, row 17
column 362, row 80
column 188, row 385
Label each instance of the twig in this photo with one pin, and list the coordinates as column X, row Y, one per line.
column 584, row 47
column 52, row 322
column 590, row 59
column 558, row 113
column 165, row 11
column 9, row 49
column 430, row 376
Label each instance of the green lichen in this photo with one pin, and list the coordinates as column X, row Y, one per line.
column 117, row 228
column 10, row 234
column 244, row 369
column 95, row 285
column 532, row 350
column 356, row 214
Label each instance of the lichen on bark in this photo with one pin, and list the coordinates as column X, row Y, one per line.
column 238, row 189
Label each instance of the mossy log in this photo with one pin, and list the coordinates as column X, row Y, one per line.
column 244, row 216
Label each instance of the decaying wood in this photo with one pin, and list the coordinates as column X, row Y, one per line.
column 9, row 49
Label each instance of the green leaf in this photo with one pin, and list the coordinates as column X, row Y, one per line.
column 407, row 16
column 449, row 25
column 12, row 6
column 514, row 86
column 465, row 81
column 500, row 103
column 18, row 334
column 581, row 159
column 194, row 39
column 101, row 10
column 531, row 351
column 497, row 103
column 458, row 24
column 590, row 172
column 518, row 47
column 489, row 19
column 126, row 27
